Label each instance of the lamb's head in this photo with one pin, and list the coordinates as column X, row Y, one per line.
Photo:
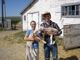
column 41, row 28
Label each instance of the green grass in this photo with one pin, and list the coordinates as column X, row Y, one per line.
column 20, row 34
column 14, row 21
column 19, row 38
column 59, row 41
column 4, row 29
column 15, row 38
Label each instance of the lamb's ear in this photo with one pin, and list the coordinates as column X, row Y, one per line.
column 41, row 28
column 36, row 30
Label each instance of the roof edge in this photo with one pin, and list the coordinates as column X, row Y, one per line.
column 33, row 1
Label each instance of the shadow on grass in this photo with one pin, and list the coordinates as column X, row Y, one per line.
column 69, row 58
column 71, row 48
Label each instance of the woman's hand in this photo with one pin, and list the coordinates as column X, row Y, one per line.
column 37, row 39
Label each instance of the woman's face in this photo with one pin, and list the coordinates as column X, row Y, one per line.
column 33, row 25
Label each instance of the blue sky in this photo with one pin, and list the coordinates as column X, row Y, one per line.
column 14, row 7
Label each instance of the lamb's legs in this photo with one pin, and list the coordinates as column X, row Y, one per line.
column 43, row 41
column 32, row 52
column 51, row 40
column 51, row 36
column 29, row 43
column 43, row 38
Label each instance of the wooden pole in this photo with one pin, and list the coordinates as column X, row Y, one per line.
column 3, row 13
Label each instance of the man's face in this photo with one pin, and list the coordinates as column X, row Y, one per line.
column 33, row 25
column 47, row 18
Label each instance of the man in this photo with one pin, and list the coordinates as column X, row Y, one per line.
column 47, row 46
column 35, row 43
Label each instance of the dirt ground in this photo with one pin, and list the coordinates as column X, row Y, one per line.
column 15, row 51
column 4, row 33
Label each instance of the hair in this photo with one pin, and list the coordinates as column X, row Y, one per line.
column 46, row 13
column 32, row 21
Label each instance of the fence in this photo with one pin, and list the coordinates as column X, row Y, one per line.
column 7, row 23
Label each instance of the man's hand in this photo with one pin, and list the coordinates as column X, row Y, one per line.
column 48, row 32
column 54, row 33
column 51, row 32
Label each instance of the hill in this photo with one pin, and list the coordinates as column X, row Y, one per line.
column 14, row 18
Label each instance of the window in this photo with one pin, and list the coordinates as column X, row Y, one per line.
column 77, row 10
column 70, row 10
column 42, row 18
column 24, row 17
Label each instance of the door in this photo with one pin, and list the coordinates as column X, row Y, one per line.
column 33, row 17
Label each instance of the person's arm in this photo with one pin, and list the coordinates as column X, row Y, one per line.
column 27, row 39
column 37, row 39
column 30, row 39
column 50, row 32
column 54, row 33
column 59, row 30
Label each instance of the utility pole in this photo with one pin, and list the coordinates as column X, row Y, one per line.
column 3, row 2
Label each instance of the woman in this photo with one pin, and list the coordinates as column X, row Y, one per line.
column 35, row 43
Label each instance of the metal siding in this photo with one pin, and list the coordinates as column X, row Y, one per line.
column 71, row 36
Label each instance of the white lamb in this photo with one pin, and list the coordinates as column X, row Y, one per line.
column 29, row 43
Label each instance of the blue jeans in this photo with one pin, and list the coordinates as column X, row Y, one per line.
column 53, row 49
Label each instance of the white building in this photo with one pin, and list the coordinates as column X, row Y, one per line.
column 63, row 12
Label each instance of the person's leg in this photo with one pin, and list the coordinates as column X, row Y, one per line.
column 47, row 53
column 37, row 53
column 54, row 51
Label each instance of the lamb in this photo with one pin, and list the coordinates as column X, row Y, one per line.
column 47, row 29
column 29, row 43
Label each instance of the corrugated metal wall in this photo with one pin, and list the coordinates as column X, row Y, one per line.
column 71, row 36
column 7, row 23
